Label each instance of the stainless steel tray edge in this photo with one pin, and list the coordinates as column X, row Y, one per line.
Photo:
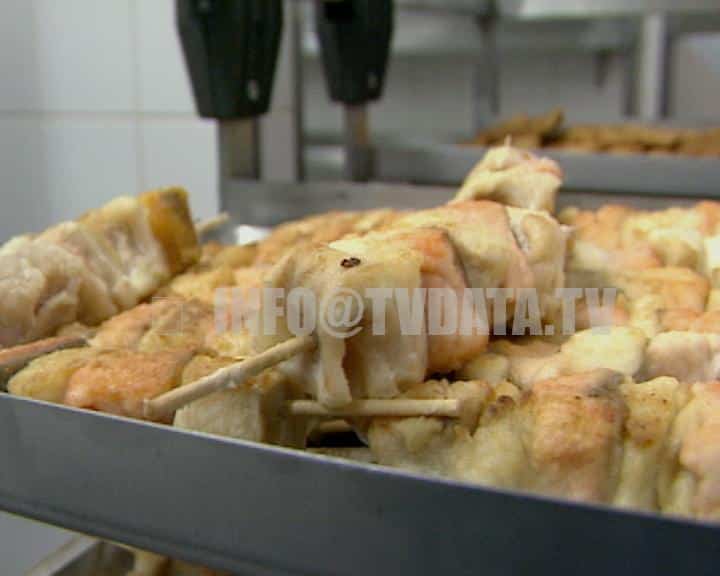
column 261, row 510
column 423, row 162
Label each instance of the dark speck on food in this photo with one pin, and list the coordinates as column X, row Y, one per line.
column 350, row 262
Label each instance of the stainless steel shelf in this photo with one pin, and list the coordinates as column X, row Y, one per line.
column 544, row 9
column 255, row 509
column 444, row 164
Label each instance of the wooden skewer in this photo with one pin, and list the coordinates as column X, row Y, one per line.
column 15, row 358
column 401, row 407
column 210, row 224
column 163, row 406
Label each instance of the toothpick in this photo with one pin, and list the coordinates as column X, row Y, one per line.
column 234, row 375
column 398, row 407
column 16, row 358
column 210, row 224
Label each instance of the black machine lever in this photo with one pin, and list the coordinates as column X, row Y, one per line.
column 355, row 38
column 231, row 50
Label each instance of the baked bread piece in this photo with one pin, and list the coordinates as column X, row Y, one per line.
column 252, row 412
column 514, row 177
column 118, row 381
column 616, row 237
column 107, row 261
column 526, row 361
column 384, row 364
column 589, row 437
column 47, row 377
column 319, row 229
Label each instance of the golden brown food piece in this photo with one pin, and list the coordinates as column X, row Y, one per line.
column 652, row 408
column 501, row 247
column 88, row 270
column 526, row 361
column 322, row 228
column 40, row 290
column 650, row 445
column 201, row 285
column 183, row 325
column 617, row 238
column 690, row 479
column 253, row 411
column 514, row 177
column 47, row 377
column 562, row 438
column 127, row 329
column 172, row 225
column 216, row 269
column 366, row 364
column 119, row 381
column 575, row 440
column 675, row 287
column 688, row 356
column 424, row 444
column 215, row 255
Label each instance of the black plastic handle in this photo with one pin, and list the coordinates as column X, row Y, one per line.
column 355, row 38
column 231, row 49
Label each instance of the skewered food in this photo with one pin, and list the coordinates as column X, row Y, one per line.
column 88, row 270
column 468, row 244
column 323, row 228
column 628, row 416
column 587, row 437
column 526, row 361
column 513, row 177
column 253, row 412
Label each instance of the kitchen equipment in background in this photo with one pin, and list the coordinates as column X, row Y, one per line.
column 355, row 38
column 231, row 51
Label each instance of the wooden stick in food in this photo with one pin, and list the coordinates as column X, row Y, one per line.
column 399, row 407
column 233, row 375
column 16, row 358
column 211, row 224
column 454, row 248
column 466, row 244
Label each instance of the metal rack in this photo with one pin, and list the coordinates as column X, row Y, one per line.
column 643, row 30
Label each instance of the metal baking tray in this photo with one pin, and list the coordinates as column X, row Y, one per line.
column 255, row 509
column 270, row 203
column 422, row 162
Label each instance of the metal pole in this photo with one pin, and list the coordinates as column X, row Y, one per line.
column 486, row 79
column 358, row 153
column 238, row 152
column 282, row 128
column 652, row 89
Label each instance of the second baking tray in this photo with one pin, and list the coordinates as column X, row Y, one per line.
column 423, row 162
column 255, row 509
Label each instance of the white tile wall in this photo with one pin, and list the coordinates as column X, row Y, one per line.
column 70, row 55
column 182, row 151
column 56, row 166
column 163, row 83
column 94, row 102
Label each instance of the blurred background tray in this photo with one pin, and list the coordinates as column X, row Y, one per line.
column 421, row 162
